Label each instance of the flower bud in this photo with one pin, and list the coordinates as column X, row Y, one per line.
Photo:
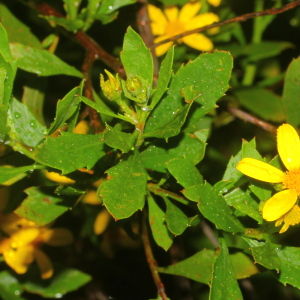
column 111, row 88
column 136, row 89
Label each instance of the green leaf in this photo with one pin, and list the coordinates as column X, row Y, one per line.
column 103, row 109
column 4, row 45
column 197, row 267
column 255, row 52
column 184, row 171
column 160, row 152
column 162, row 236
column 165, row 73
column 16, row 30
column 118, row 139
column 224, row 284
column 9, row 173
column 62, row 282
column 91, row 12
column 42, row 206
column 244, row 202
column 136, row 57
column 270, row 108
column 70, row 151
column 41, row 62
column 23, row 125
column 71, row 7
column 70, row 25
column 248, row 150
column 291, row 91
column 264, row 253
column 66, row 108
column 10, row 288
column 290, row 265
column 176, row 219
column 109, row 6
column 208, row 74
column 214, row 207
column 173, row 126
column 243, row 266
column 124, row 190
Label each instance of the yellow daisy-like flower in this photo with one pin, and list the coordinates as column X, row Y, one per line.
column 23, row 245
column 172, row 22
column 282, row 206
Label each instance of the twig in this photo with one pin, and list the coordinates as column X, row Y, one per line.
column 151, row 260
column 251, row 119
column 145, row 31
column 242, row 18
column 157, row 190
column 209, row 233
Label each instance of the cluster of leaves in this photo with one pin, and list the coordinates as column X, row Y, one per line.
column 147, row 154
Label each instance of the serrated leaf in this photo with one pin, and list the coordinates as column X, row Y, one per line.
column 136, row 57
column 165, row 73
column 41, row 62
column 70, row 151
column 9, row 173
column 173, row 126
column 16, row 30
column 176, row 219
column 290, row 265
column 224, row 284
column 270, row 108
column 23, row 124
column 118, row 139
column 214, row 207
column 243, row 202
column 66, row 108
column 162, row 236
column 197, row 267
column 124, row 190
column 42, row 206
column 291, row 90
column 184, row 171
column 10, row 288
column 62, row 282
column 264, row 253
column 209, row 74
column 160, row 152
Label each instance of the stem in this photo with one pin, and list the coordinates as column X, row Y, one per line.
column 151, row 260
column 157, row 190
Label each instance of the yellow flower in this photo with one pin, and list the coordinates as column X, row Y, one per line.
column 214, row 2
column 172, row 22
column 282, row 206
column 23, row 245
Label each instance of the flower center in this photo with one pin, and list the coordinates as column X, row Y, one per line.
column 292, row 181
column 174, row 28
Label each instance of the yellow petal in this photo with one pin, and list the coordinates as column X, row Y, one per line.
column 260, row 170
column 82, row 127
column 198, row 41
column 102, row 221
column 279, row 205
column 160, row 50
column 188, row 11
column 158, row 20
column 172, row 13
column 214, row 2
column 58, row 178
column 44, row 263
column 201, row 20
column 288, row 144
column 19, row 259
column 12, row 223
column 24, row 237
column 91, row 198
column 57, row 237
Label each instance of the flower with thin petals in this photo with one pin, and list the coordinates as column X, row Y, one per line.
column 23, row 246
column 282, row 206
column 173, row 22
